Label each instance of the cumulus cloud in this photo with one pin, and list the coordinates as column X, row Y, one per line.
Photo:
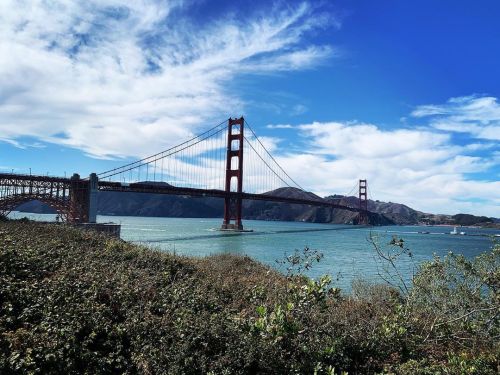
column 116, row 78
column 476, row 115
column 419, row 167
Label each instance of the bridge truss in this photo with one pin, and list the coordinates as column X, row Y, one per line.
column 68, row 196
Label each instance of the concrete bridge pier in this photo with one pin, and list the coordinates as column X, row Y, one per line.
column 83, row 199
column 91, row 211
column 92, row 200
column 78, row 198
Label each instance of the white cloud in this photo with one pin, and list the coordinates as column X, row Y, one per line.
column 476, row 115
column 299, row 109
column 279, row 126
column 116, row 78
column 128, row 78
column 420, row 168
column 366, row 140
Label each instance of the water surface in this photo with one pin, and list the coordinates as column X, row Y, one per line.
column 348, row 253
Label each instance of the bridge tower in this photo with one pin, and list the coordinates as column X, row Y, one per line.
column 233, row 200
column 363, row 203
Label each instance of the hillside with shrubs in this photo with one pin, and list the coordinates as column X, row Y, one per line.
column 74, row 302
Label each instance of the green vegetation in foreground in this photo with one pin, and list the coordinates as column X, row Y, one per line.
column 75, row 302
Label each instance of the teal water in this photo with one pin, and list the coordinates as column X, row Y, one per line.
column 348, row 254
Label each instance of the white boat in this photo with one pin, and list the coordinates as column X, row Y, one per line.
column 454, row 231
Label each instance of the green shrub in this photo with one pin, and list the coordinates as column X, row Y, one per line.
column 76, row 302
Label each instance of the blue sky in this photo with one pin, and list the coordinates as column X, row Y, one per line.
column 402, row 93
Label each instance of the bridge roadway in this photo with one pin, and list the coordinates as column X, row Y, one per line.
column 215, row 193
column 21, row 179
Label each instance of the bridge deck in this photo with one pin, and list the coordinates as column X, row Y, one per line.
column 27, row 177
column 193, row 192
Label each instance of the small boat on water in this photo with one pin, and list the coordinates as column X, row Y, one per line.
column 454, row 231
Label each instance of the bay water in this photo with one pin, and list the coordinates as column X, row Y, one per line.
column 348, row 252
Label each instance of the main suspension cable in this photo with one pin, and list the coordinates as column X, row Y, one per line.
column 159, row 153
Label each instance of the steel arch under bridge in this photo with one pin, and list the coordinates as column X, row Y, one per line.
column 70, row 197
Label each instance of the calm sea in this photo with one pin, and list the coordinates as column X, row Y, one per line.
column 348, row 253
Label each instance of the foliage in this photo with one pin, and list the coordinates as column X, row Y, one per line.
column 300, row 261
column 389, row 262
column 77, row 302
column 460, row 300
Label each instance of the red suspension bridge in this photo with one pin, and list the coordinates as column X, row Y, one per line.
column 208, row 165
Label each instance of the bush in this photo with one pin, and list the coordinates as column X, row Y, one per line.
column 78, row 302
column 459, row 300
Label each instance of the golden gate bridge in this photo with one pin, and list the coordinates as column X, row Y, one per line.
column 214, row 163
